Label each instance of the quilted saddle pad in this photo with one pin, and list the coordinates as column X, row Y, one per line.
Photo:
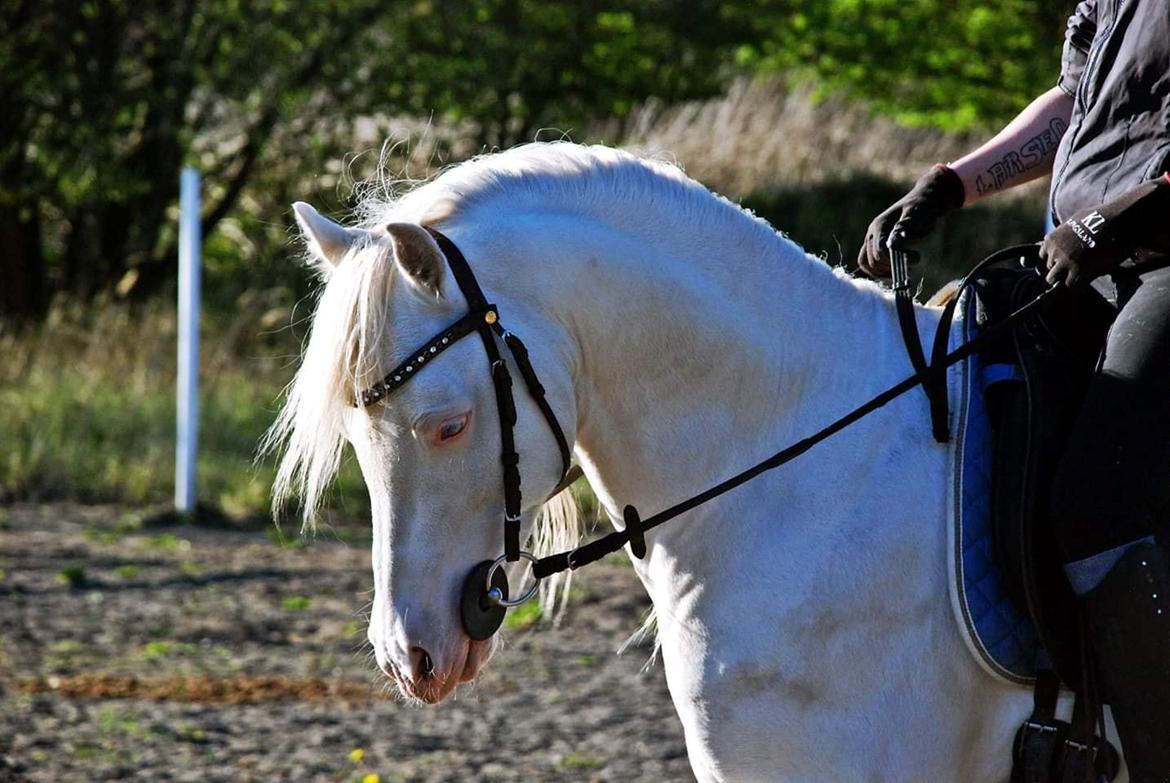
column 1001, row 638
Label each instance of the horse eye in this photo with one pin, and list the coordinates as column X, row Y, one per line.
column 452, row 429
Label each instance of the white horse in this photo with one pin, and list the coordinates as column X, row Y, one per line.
column 804, row 620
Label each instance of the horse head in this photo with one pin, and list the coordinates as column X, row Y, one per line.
column 429, row 452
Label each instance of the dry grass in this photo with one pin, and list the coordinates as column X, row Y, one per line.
column 820, row 170
column 86, row 400
column 87, row 404
column 762, row 134
column 766, row 134
column 240, row 689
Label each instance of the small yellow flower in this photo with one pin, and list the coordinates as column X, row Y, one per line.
column 356, row 755
column 372, row 778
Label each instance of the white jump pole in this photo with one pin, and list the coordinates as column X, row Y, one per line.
column 187, row 407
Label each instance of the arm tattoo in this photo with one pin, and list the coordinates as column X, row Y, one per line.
column 1034, row 151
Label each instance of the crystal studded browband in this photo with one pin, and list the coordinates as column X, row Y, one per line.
column 418, row 359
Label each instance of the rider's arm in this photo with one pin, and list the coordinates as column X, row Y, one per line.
column 1019, row 153
column 1022, row 151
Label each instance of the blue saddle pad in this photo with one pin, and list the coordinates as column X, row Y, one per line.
column 1002, row 639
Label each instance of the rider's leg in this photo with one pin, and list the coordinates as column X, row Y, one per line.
column 1111, row 492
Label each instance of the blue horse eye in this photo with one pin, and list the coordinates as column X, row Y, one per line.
column 451, row 429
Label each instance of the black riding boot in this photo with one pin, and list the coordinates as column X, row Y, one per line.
column 1129, row 617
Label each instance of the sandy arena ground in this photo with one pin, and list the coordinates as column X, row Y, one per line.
column 191, row 654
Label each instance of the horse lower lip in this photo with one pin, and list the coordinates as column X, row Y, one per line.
column 477, row 655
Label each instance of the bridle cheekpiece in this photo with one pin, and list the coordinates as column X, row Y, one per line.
column 485, row 590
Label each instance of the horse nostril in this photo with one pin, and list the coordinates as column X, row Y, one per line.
column 421, row 663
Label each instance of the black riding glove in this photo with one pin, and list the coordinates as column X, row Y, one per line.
column 936, row 193
column 1094, row 241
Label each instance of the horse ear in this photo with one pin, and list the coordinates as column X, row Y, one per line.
column 419, row 256
column 328, row 241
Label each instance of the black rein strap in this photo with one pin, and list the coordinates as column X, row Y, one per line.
column 934, row 385
column 636, row 527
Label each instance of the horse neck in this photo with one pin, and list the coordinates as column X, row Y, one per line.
column 696, row 355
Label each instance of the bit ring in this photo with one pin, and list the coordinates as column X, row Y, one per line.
column 495, row 596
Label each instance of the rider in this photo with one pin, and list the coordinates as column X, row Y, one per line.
column 1104, row 130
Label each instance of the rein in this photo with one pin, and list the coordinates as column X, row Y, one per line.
column 927, row 375
column 484, row 599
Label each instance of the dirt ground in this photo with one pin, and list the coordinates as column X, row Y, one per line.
column 194, row 654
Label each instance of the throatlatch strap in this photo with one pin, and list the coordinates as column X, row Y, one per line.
column 536, row 391
column 475, row 300
column 484, row 319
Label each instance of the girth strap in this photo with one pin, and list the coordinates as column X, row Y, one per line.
column 1038, row 741
column 1087, row 756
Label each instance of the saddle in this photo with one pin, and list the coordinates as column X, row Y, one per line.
column 1034, row 379
column 1044, row 367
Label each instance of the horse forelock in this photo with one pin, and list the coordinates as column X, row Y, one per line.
column 345, row 353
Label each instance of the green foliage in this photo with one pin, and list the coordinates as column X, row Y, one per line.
column 512, row 67
column 128, row 571
column 169, row 541
column 73, row 575
column 119, row 719
column 580, row 761
column 106, row 99
column 285, row 541
column 161, row 649
column 524, row 615
column 295, row 603
column 954, row 64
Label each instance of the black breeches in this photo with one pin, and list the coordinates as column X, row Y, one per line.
column 1113, row 481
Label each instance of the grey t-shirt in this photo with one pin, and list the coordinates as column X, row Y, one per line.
column 1116, row 64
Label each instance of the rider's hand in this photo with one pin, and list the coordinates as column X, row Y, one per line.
column 1094, row 241
column 936, row 193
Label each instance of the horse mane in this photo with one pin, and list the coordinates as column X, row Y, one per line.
column 350, row 342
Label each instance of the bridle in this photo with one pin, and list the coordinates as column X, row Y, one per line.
column 484, row 598
column 485, row 590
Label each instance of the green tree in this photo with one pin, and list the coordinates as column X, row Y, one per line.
column 105, row 100
column 513, row 67
column 952, row 64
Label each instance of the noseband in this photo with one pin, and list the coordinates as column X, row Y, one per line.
column 485, row 590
